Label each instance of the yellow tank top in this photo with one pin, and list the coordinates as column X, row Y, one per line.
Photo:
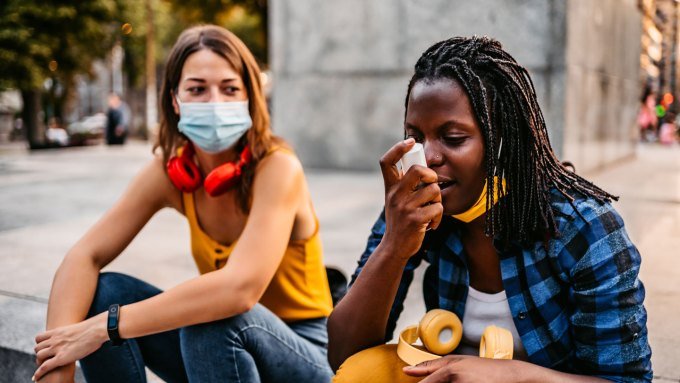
column 299, row 289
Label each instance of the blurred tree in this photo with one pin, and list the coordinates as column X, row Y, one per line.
column 133, row 35
column 45, row 44
column 248, row 19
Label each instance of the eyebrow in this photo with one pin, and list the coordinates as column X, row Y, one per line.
column 196, row 79
column 447, row 124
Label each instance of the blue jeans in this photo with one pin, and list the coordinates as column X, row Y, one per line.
column 256, row 346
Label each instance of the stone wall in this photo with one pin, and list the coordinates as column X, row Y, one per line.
column 603, row 70
column 341, row 67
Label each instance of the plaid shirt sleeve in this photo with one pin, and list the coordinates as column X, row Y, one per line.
column 608, row 322
column 374, row 239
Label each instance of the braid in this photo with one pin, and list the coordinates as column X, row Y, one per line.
column 503, row 98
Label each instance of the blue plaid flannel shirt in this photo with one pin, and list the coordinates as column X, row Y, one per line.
column 578, row 306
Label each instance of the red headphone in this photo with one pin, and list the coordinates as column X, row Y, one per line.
column 186, row 176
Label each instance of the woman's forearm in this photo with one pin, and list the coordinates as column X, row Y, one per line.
column 360, row 319
column 212, row 296
column 73, row 288
column 532, row 373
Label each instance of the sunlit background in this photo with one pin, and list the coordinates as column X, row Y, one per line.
column 335, row 74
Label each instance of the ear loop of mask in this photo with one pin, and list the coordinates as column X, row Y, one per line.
column 479, row 207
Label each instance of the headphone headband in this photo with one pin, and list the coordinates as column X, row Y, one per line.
column 186, row 177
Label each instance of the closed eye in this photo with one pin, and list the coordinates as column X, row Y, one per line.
column 455, row 140
column 417, row 137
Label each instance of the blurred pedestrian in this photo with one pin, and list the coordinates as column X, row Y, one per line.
column 258, row 310
column 647, row 119
column 55, row 133
column 117, row 119
column 668, row 130
column 18, row 129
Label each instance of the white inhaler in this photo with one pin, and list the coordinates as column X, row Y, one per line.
column 415, row 156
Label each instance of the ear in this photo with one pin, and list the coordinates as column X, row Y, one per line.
column 175, row 106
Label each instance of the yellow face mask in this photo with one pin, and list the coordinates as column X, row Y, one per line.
column 479, row 207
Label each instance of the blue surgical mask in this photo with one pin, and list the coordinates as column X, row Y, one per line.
column 214, row 126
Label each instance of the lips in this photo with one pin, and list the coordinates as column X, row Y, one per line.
column 445, row 183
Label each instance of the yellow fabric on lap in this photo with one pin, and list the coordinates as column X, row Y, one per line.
column 379, row 364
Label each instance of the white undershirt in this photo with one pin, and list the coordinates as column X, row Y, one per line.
column 482, row 310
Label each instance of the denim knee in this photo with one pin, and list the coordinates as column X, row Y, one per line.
column 232, row 326
column 119, row 288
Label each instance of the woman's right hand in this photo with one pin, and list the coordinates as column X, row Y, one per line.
column 412, row 202
column 62, row 374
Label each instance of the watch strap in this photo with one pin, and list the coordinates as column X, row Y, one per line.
column 112, row 325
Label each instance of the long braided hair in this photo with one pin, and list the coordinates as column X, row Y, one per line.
column 516, row 141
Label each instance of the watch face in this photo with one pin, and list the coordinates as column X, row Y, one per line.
column 112, row 321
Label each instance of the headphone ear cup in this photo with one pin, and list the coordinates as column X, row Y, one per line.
column 224, row 177
column 496, row 343
column 433, row 328
column 221, row 179
column 184, row 174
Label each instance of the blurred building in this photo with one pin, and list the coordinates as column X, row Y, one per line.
column 652, row 39
column 658, row 58
column 341, row 69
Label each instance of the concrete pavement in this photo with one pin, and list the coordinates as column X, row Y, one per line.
column 49, row 199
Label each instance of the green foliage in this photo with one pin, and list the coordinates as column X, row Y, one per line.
column 68, row 34
column 245, row 18
column 248, row 27
column 166, row 29
column 74, row 33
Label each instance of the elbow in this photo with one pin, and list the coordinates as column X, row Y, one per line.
column 335, row 357
column 236, row 307
column 248, row 296
column 334, row 360
column 246, row 305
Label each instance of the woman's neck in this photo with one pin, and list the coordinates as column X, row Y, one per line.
column 482, row 257
column 475, row 228
column 209, row 161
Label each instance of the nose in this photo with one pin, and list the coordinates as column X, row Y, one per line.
column 215, row 95
column 433, row 154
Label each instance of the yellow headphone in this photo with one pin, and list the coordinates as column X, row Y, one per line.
column 441, row 331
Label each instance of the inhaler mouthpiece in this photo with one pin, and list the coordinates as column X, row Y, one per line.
column 415, row 156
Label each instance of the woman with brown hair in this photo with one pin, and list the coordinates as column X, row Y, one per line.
column 258, row 311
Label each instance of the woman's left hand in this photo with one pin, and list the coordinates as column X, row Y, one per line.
column 464, row 368
column 68, row 344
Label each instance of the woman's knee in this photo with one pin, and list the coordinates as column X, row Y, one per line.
column 231, row 327
column 119, row 288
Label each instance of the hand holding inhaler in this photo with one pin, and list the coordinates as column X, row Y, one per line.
column 412, row 198
column 415, row 156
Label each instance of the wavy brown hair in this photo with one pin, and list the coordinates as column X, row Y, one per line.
column 225, row 44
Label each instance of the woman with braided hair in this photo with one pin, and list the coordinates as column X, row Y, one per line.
column 510, row 234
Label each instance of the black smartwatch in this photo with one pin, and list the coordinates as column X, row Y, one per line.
column 112, row 325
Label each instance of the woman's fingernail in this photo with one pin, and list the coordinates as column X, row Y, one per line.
column 408, row 140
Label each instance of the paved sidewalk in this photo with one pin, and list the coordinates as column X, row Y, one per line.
column 48, row 199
